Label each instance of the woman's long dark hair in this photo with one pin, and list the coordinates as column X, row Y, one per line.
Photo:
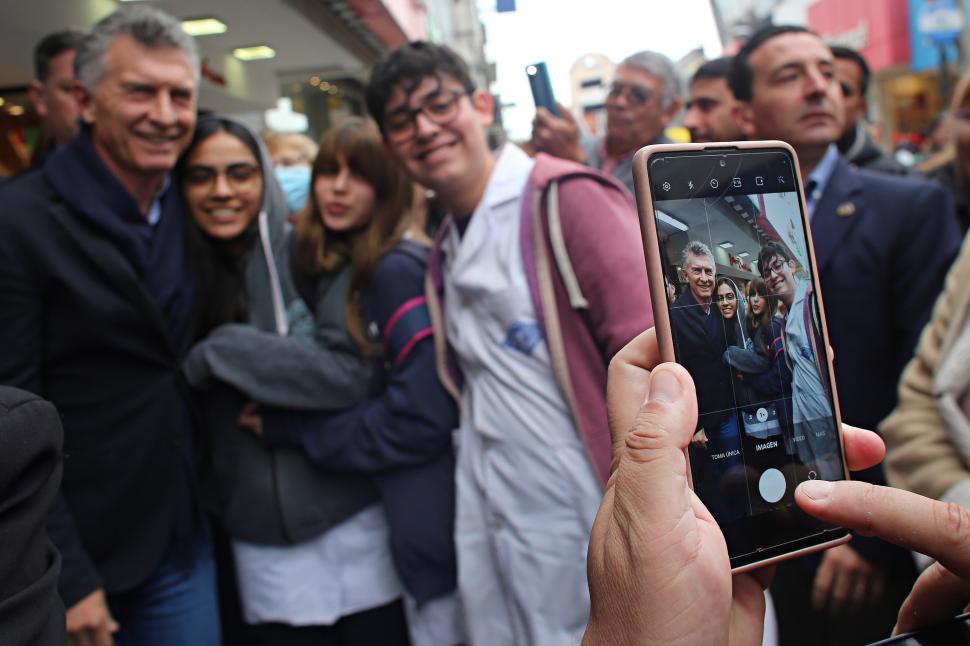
column 218, row 266
column 730, row 327
column 760, row 321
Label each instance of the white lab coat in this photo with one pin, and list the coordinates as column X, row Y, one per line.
column 527, row 493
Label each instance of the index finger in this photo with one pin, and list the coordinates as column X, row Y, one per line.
column 940, row 530
column 863, row 449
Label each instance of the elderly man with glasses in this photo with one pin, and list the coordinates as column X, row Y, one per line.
column 643, row 99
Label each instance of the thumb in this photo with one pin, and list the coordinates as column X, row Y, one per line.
column 652, row 471
column 565, row 113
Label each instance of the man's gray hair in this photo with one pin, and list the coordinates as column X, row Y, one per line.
column 695, row 248
column 148, row 26
column 663, row 68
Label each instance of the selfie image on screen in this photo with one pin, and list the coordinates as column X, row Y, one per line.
column 745, row 323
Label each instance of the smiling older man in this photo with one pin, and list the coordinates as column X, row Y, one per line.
column 96, row 304
column 643, row 98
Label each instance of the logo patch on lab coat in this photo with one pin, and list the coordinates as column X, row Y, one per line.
column 523, row 336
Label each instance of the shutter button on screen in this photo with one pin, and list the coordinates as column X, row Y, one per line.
column 772, row 485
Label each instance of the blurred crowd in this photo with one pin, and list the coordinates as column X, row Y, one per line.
column 258, row 389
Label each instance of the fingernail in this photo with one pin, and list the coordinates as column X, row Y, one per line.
column 817, row 489
column 664, row 386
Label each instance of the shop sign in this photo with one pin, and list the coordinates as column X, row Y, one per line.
column 856, row 38
column 211, row 75
column 940, row 20
column 931, row 26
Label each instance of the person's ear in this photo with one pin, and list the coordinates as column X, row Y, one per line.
column 38, row 97
column 484, row 105
column 671, row 110
column 744, row 116
column 85, row 102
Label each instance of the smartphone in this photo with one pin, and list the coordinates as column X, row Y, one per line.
column 541, row 87
column 954, row 632
column 729, row 258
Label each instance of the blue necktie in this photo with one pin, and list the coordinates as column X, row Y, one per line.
column 810, row 197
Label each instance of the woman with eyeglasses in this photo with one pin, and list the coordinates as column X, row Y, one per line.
column 723, row 477
column 295, row 532
column 356, row 234
column 761, row 365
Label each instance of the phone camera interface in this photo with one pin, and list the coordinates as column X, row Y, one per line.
column 745, row 324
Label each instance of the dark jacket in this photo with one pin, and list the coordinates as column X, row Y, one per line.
column 861, row 151
column 30, row 475
column 285, row 355
column 700, row 343
column 98, row 321
column 883, row 246
column 402, row 434
column 768, row 375
column 946, row 175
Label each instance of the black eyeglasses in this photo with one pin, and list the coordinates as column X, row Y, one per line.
column 774, row 267
column 635, row 94
column 441, row 107
column 239, row 176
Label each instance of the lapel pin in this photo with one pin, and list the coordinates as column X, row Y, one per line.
column 845, row 209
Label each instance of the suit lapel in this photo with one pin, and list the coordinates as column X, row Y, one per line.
column 837, row 212
column 110, row 262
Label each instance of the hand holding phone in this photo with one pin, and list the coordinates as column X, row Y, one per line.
column 725, row 225
column 557, row 136
column 656, row 556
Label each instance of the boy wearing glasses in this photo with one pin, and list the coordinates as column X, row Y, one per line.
column 536, row 279
column 643, row 98
column 814, row 438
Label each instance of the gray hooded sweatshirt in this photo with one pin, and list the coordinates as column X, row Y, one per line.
column 286, row 357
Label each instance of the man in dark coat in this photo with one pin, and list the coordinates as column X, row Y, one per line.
column 883, row 246
column 96, row 315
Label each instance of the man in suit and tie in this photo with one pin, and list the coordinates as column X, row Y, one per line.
column 883, row 246
column 96, row 301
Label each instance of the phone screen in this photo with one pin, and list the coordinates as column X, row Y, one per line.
column 745, row 322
